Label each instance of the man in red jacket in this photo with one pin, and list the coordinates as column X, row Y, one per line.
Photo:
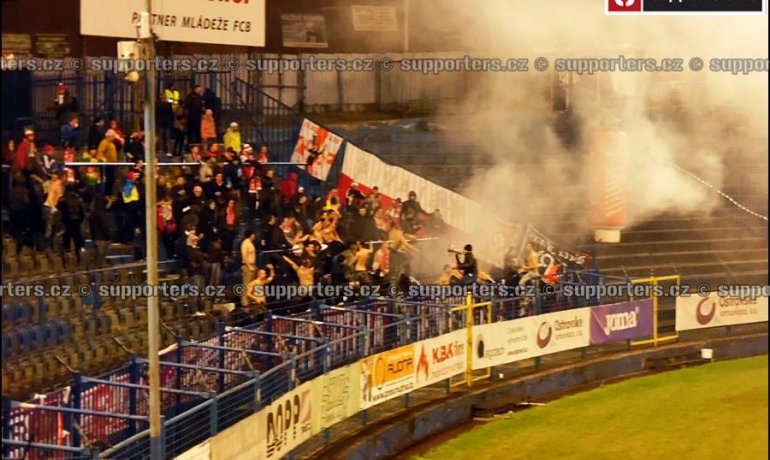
column 26, row 149
column 289, row 187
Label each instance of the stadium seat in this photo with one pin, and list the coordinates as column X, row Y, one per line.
column 8, row 346
column 9, row 313
column 41, row 261
column 24, row 313
column 66, row 331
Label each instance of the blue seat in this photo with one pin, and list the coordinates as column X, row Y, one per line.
column 8, row 314
column 37, row 337
column 65, row 334
column 24, row 339
column 8, row 345
column 24, row 313
column 51, row 333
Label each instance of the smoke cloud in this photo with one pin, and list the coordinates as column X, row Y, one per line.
column 698, row 120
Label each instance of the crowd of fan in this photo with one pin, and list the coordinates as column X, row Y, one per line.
column 228, row 215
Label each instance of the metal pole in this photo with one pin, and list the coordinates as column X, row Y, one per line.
column 406, row 26
column 153, row 320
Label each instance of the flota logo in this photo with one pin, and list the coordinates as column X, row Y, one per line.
column 705, row 318
column 544, row 334
column 621, row 321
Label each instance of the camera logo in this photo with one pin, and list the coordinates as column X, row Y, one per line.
column 624, row 6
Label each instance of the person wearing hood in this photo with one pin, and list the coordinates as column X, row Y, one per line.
column 208, row 223
column 289, row 187
column 101, row 227
column 363, row 227
column 217, row 189
column 232, row 137
column 232, row 170
column 72, row 213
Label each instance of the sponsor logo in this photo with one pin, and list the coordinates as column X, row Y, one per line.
column 423, row 366
column 287, row 422
column 448, row 351
column 480, row 346
column 621, row 321
column 704, row 317
column 624, row 5
column 544, row 334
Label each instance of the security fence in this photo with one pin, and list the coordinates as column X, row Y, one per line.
column 323, row 365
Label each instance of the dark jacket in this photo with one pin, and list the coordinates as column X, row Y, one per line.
column 468, row 266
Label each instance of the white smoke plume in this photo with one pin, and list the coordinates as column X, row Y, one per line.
column 698, row 120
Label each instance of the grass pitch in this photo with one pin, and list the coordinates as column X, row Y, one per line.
column 716, row 411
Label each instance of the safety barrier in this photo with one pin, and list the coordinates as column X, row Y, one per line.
column 322, row 366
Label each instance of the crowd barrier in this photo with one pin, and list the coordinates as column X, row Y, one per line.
column 259, row 392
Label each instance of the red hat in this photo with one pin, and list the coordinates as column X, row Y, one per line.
column 48, row 148
column 131, row 175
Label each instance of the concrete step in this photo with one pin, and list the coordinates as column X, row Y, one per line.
column 678, row 258
column 695, row 245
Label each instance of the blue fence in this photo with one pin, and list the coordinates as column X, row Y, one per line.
column 212, row 384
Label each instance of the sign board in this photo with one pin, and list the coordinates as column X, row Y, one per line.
column 52, row 45
column 338, row 396
column 17, row 44
column 304, row 30
column 387, row 375
column 560, row 331
column 372, row 18
column 698, row 312
column 224, row 22
column 622, row 321
column 501, row 343
column 440, row 358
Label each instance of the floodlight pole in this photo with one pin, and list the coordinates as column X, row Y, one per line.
column 153, row 320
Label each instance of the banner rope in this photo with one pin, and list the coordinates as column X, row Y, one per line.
column 719, row 192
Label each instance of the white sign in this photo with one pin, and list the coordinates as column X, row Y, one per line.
column 226, row 22
column 501, row 343
column 560, row 331
column 367, row 18
column 441, row 357
column 338, row 396
column 387, row 375
column 713, row 311
column 287, row 422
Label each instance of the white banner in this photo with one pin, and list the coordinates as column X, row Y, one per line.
column 235, row 22
column 440, row 358
column 387, row 375
column 317, row 147
column 501, row 343
column 396, row 182
column 287, row 422
column 373, row 18
column 701, row 312
column 560, row 331
column 338, row 394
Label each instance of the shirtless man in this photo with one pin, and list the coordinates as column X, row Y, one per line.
column 255, row 290
column 305, row 271
column 360, row 273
